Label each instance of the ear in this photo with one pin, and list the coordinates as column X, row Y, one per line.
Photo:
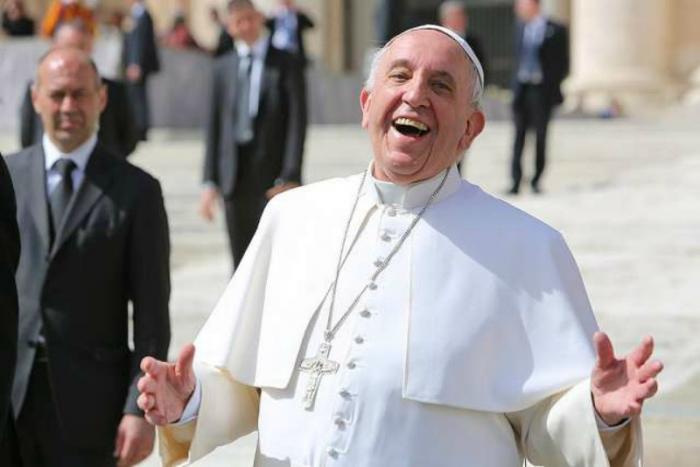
column 365, row 101
column 475, row 125
column 103, row 97
column 35, row 97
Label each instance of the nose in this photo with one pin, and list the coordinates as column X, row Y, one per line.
column 416, row 92
column 68, row 103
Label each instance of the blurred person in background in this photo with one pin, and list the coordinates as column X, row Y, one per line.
column 256, row 128
column 140, row 61
column 61, row 11
column 542, row 48
column 224, row 43
column 117, row 129
column 453, row 15
column 179, row 36
column 9, row 260
column 95, row 244
column 287, row 26
column 15, row 21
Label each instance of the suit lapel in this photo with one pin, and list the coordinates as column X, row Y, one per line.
column 97, row 178
column 231, row 77
column 37, row 198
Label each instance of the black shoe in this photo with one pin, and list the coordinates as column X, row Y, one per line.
column 536, row 189
column 515, row 189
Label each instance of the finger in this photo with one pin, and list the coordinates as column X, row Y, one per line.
column 649, row 370
column 642, row 353
column 151, row 366
column 146, row 384
column 603, row 349
column 155, row 418
column 127, row 453
column 647, row 390
column 146, row 402
column 118, row 442
column 183, row 365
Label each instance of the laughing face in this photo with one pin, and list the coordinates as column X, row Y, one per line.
column 419, row 114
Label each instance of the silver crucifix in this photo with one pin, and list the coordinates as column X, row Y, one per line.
column 317, row 367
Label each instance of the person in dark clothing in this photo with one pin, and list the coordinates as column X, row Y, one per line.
column 287, row 26
column 15, row 21
column 117, row 128
column 256, row 128
column 9, row 260
column 453, row 15
column 542, row 48
column 141, row 60
column 224, row 43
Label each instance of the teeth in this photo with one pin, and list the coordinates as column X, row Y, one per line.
column 409, row 122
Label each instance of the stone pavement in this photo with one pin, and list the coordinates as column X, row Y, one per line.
column 624, row 193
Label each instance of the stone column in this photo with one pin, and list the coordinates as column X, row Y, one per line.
column 620, row 54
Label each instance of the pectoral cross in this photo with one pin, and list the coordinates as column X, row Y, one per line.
column 317, row 367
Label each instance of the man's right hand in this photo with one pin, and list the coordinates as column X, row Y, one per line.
column 207, row 203
column 166, row 387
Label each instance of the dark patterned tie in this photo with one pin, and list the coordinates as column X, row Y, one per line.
column 61, row 195
column 244, row 122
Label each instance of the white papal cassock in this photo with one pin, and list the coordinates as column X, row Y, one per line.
column 473, row 349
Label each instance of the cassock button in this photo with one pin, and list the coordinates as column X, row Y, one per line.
column 333, row 452
column 372, row 285
column 339, row 422
column 365, row 313
column 344, row 393
column 391, row 212
column 378, row 263
column 385, row 237
column 359, row 340
column 352, row 365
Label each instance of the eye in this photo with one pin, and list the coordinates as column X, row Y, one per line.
column 398, row 76
column 441, row 86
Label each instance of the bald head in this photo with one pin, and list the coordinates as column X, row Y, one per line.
column 69, row 96
column 73, row 34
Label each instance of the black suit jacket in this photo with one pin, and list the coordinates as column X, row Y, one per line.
column 303, row 23
column 140, row 46
column 112, row 249
column 554, row 60
column 117, row 125
column 279, row 128
column 475, row 43
column 9, row 258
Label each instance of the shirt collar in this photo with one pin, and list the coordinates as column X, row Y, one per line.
column 416, row 194
column 258, row 49
column 79, row 155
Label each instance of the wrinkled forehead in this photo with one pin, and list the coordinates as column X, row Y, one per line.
column 427, row 48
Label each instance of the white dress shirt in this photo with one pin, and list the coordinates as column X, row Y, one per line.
column 258, row 53
column 80, row 156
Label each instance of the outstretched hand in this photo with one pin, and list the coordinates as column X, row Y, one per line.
column 166, row 387
column 620, row 386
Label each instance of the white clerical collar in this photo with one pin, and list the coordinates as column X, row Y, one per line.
column 137, row 9
column 258, row 49
column 80, row 155
column 416, row 194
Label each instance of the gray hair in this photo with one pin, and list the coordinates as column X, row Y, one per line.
column 446, row 7
column 477, row 87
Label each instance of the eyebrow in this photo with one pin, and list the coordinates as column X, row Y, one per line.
column 403, row 63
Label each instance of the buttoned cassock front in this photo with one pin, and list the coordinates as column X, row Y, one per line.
column 472, row 348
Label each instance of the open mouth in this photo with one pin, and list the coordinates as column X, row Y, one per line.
column 410, row 127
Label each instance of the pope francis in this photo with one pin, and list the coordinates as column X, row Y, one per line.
column 403, row 317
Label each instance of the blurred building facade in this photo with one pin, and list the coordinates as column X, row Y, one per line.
column 634, row 53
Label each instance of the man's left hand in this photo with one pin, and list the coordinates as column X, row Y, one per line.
column 620, row 386
column 277, row 189
column 134, row 443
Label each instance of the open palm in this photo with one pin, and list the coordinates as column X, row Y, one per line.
column 621, row 385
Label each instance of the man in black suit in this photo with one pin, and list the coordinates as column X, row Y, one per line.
column 543, row 62
column 9, row 258
column 117, row 128
column 95, row 237
column 256, row 128
column 141, row 60
column 453, row 15
column 287, row 27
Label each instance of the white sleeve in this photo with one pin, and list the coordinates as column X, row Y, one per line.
column 192, row 408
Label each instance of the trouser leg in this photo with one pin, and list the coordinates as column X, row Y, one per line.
column 521, row 121
column 40, row 435
column 141, row 109
column 541, row 114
